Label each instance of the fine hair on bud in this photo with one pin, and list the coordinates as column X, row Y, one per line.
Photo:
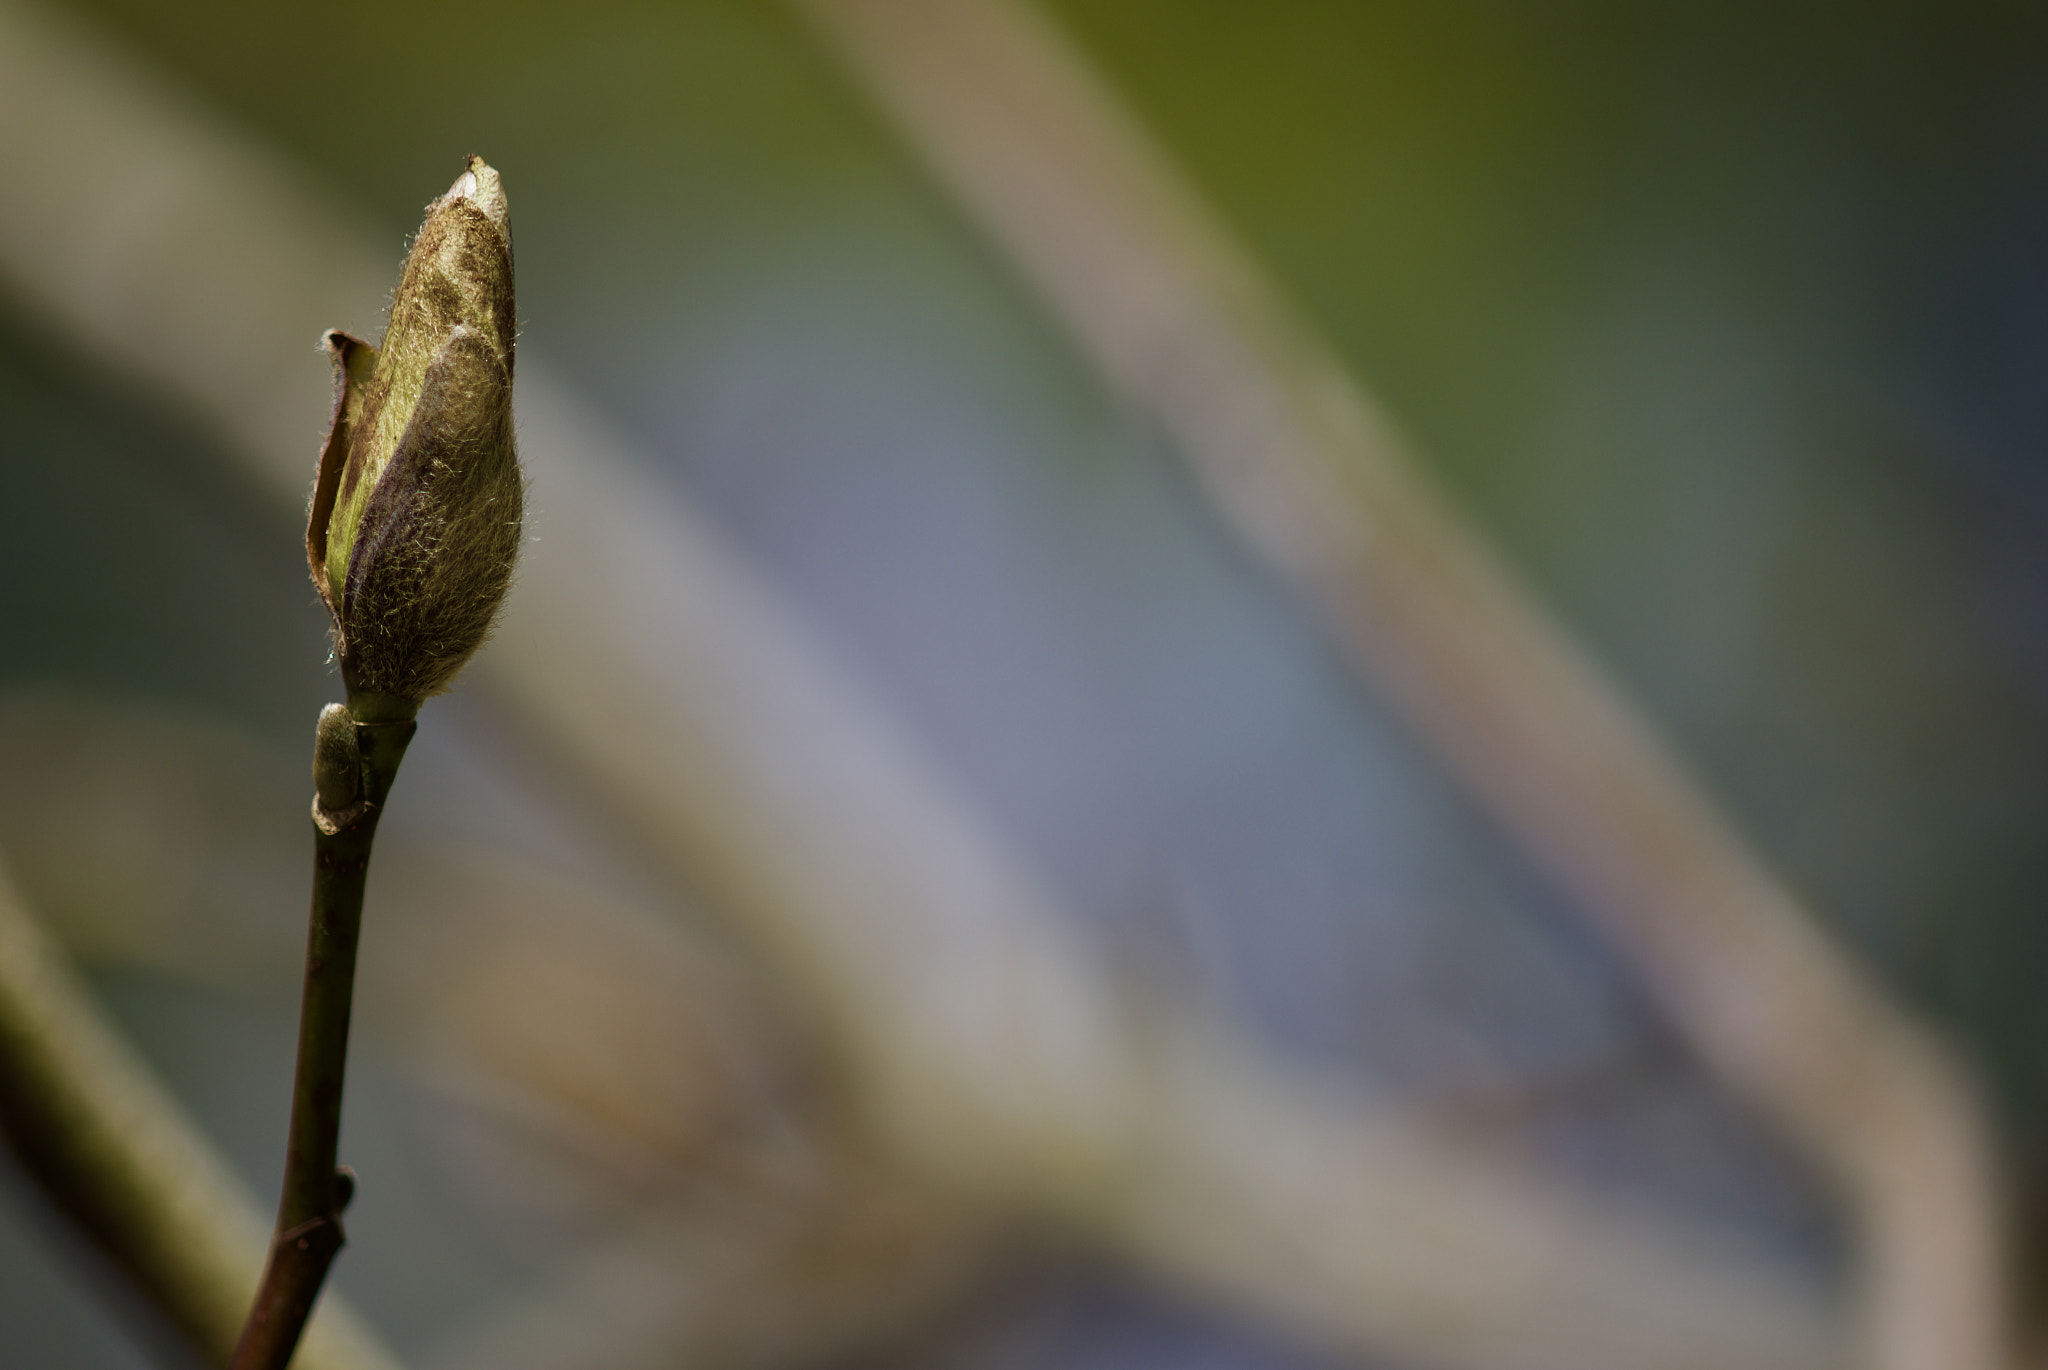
column 416, row 514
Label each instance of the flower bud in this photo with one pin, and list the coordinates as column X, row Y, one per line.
column 415, row 518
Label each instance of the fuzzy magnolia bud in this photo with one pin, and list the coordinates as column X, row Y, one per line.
column 416, row 509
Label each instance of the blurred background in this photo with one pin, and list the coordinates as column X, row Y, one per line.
column 1727, row 325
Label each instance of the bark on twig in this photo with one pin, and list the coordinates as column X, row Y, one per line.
column 309, row 1233
column 117, row 1154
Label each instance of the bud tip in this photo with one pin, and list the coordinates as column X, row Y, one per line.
column 479, row 185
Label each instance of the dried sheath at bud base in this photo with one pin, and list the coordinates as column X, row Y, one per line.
column 416, row 510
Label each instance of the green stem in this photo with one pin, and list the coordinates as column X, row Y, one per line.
column 354, row 765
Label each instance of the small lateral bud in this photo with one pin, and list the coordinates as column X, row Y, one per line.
column 415, row 517
column 337, row 760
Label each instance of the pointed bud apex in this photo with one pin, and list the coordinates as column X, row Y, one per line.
column 416, row 510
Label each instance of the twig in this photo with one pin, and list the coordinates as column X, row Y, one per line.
column 354, row 765
column 100, row 1134
column 1182, row 324
column 410, row 539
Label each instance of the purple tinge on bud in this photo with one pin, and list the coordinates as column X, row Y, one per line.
column 415, row 519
